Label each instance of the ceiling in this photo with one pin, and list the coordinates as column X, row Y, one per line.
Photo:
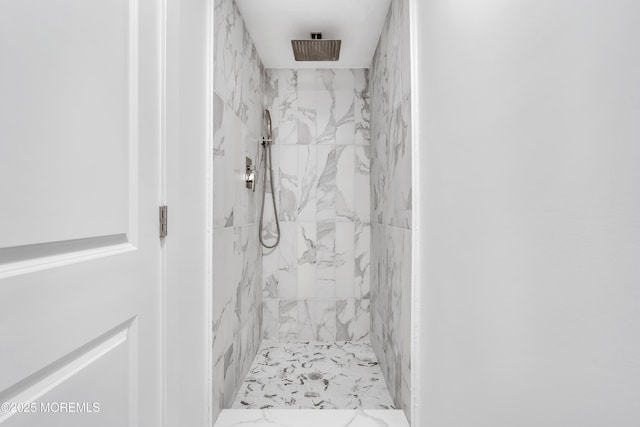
column 274, row 23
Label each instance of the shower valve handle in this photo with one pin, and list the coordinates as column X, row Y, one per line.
column 250, row 175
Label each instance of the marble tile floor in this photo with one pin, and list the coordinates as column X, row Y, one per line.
column 314, row 375
column 311, row 418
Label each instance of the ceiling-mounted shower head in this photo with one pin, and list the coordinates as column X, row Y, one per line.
column 316, row 49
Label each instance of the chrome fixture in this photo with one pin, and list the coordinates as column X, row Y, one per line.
column 249, row 175
column 268, row 165
column 316, row 49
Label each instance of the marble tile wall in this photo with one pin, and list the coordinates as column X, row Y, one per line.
column 390, row 90
column 237, row 263
column 316, row 282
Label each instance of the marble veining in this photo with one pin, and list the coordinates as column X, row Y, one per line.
column 314, row 375
column 390, row 203
column 319, row 276
column 311, row 418
column 237, row 282
column 342, row 172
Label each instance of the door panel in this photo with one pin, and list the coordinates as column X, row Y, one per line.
column 84, row 370
column 80, row 285
column 68, row 86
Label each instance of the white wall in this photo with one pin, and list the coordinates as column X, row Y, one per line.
column 187, row 302
column 528, row 138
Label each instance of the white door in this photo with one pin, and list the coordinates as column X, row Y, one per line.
column 80, row 273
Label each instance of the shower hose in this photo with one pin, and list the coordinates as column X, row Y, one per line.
column 268, row 167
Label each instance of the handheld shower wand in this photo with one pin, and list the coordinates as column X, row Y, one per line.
column 268, row 166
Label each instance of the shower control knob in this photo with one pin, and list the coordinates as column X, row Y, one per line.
column 250, row 175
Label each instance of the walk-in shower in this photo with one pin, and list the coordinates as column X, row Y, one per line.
column 268, row 168
column 314, row 312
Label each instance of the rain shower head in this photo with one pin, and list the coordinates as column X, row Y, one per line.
column 316, row 49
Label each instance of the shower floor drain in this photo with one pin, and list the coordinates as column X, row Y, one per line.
column 315, row 376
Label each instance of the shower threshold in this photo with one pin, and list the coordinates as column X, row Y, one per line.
column 314, row 375
column 312, row 418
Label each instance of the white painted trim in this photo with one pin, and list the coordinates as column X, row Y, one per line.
column 134, row 120
column 134, row 371
column 417, row 358
column 189, row 81
column 210, row 43
column 163, row 170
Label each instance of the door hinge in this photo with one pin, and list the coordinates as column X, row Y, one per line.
column 163, row 221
